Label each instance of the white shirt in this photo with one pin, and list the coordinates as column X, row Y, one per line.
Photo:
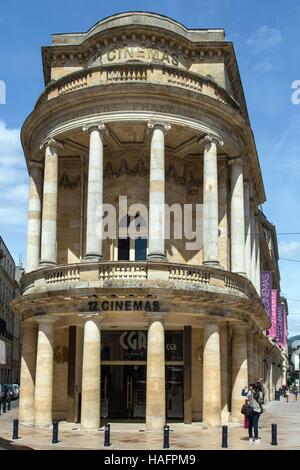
column 252, row 402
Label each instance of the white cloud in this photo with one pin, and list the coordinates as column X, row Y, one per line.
column 13, row 178
column 289, row 248
column 265, row 38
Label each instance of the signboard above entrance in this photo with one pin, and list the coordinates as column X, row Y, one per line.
column 123, row 305
column 132, row 345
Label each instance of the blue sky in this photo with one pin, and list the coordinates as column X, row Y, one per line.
column 266, row 36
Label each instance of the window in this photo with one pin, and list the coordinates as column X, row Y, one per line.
column 138, row 245
column 124, row 243
column 140, row 249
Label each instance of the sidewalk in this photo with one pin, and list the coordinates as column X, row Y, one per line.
column 132, row 436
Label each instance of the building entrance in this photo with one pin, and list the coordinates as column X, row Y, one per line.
column 124, row 373
column 123, row 392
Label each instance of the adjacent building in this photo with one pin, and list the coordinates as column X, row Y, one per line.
column 141, row 298
column 10, row 324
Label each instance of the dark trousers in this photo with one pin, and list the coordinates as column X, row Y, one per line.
column 253, row 424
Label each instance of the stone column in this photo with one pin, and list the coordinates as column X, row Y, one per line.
column 210, row 202
column 44, row 372
column 27, row 378
column 256, row 376
column 156, row 381
column 224, row 371
column 211, row 375
column 247, row 230
column 239, row 369
column 34, row 216
column 157, row 191
column 251, row 358
column 237, row 217
column 49, row 218
column 95, row 193
column 271, row 379
column 91, row 375
column 260, row 359
column 257, row 256
column 253, row 243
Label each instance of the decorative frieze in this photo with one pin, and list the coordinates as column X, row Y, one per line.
column 67, row 183
column 186, row 178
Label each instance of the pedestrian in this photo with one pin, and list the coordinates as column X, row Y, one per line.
column 295, row 392
column 287, row 393
column 261, row 383
column 254, row 399
column 244, row 392
column 246, row 419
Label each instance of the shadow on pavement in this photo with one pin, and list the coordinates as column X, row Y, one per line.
column 8, row 445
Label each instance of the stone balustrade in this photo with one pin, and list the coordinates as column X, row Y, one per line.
column 127, row 73
column 137, row 274
column 64, row 274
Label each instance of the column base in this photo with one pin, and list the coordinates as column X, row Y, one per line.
column 45, row 263
column 242, row 274
column 156, row 257
column 212, row 264
column 93, row 257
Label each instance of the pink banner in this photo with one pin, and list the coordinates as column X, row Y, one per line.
column 280, row 323
column 284, row 344
column 272, row 330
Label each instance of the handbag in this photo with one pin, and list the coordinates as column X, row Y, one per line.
column 247, row 410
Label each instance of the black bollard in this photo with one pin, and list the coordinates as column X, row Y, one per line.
column 224, row 436
column 166, row 437
column 15, row 429
column 107, row 435
column 274, row 435
column 55, row 432
column 4, row 407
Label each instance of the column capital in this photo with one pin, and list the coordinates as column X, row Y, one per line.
column 50, row 142
column 51, row 319
column 241, row 326
column 156, row 316
column 97, row 317
column 164, row 126
column 211, row 138
column 97, row 126
column 235, row 161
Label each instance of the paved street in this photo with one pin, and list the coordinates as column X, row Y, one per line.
column 132, row 436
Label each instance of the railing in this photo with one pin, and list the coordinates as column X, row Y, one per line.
column 189, row 275
column 133, row 73
column 125, row 272
column 137, row 274
column 65, row 274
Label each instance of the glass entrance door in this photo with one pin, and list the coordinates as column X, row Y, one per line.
column 123, row 392
column 174, row 392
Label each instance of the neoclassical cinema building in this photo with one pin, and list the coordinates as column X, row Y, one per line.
column 146, row 328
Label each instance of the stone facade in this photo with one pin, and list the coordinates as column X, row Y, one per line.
column 140, row 106
column 10, row 324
